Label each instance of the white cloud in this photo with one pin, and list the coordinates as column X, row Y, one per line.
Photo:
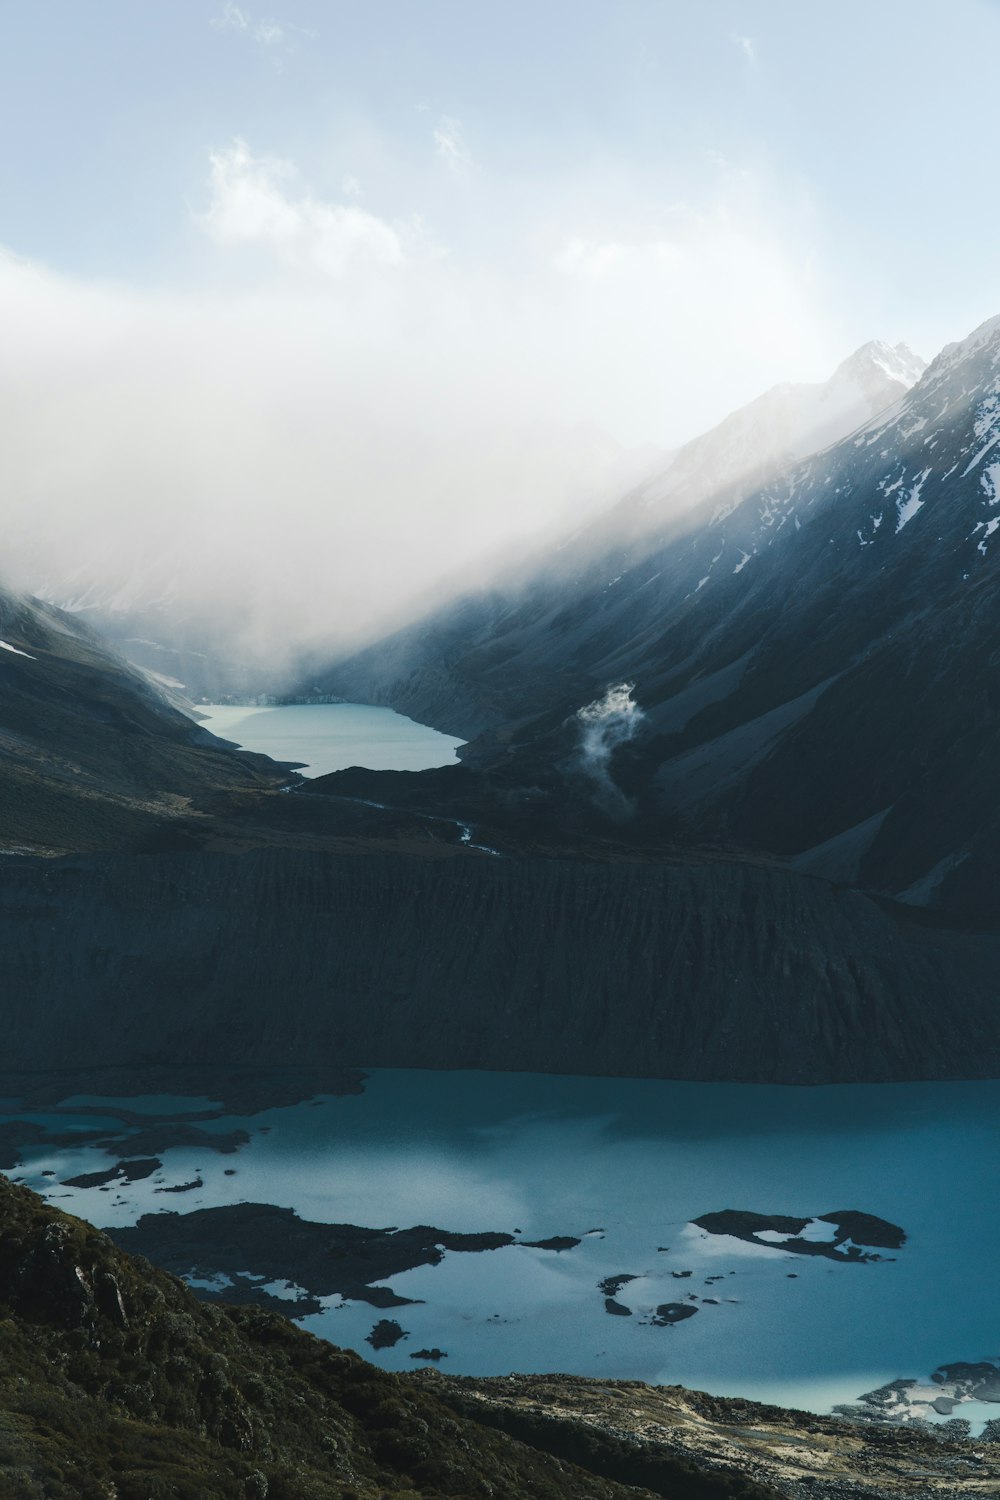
column 294, row 463
column 254, row 202
column 231, row 18
column 274, row 40
column 345, row 419
column 594, row 260
column 747, row 46
column 711, row 284
column 450, row 146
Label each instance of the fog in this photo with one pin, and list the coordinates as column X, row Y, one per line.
column 334, row 415
column 605, row 724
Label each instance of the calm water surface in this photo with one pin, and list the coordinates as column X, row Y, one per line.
column 329, row 737
column 625, row 1165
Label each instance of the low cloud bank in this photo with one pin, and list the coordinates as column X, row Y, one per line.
column 339, row 414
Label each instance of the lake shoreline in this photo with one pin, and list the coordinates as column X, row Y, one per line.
column 857, row 1205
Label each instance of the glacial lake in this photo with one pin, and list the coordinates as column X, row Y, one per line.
column 332, row 736
column 622, row 1167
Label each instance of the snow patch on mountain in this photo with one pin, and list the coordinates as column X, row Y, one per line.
column 783, row 427
column 956, row 354
column 907, row 509
column 987, row 528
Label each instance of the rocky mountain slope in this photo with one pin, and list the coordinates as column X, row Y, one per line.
column 490, row 657
column 116, row 1381
column 812, row 664
column 92, row 756
column 803, row 1457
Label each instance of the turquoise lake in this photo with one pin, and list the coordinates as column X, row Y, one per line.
column 329, row 737
column 625, row 1166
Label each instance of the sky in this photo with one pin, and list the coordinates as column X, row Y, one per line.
column 308, row 300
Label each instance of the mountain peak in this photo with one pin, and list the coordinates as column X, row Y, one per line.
column 876, row 366
column 980, row 338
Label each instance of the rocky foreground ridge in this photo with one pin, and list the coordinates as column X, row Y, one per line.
column 116, row 1382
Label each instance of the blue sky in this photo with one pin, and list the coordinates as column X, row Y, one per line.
column 427, row 225
column 864, row 133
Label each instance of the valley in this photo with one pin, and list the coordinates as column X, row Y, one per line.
column 711, row 1009
column 499, row 728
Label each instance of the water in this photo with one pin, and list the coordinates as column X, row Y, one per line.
column 329, row 737
column 626, row 1165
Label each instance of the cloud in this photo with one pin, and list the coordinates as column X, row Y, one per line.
column 609, row 722
column 254, row 202
column 332, row 420
column 280, row 466
column 747, row 46
column 449, row 144
column 689, row 278
column 273, row 39
column 595, row 259
column 230, row 18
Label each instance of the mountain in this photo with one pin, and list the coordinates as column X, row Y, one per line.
column 787, row 423
column 485, row 659
column 812, row 664
column 92, row 756
column 737, row 824
column 116, row 1381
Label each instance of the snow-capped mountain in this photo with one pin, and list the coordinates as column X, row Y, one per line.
column 442, row 667
column 788, row 422
column 815, row 663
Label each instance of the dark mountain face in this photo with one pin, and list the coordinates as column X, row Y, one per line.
column 814, row 663
column 91, row 755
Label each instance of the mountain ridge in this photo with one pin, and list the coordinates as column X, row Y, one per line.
column 419, row 668
column 814, row 599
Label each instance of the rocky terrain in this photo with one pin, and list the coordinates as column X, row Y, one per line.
column 116, row 1381
column 797, row 1454
column 92, row 755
